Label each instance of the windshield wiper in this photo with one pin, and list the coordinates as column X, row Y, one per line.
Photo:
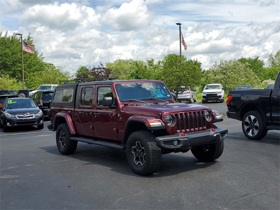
column 160, row 99
column 135, row 100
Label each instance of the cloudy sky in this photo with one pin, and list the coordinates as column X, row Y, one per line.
column 78, row 33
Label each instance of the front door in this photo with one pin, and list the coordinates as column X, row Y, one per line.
column 105, row 117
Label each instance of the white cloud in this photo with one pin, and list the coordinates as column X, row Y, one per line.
column 129, row 16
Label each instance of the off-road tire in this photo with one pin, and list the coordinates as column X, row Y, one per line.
column 64, row 145
column 208, row 153
column 143, row 155
column 253, row 125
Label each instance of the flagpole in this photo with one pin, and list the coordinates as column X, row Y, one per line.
column 22, row 62
column 179, row 24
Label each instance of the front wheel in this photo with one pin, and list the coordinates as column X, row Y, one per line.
column 208, row 153
column 143, row 155
column 64, row 145
column 253, row 125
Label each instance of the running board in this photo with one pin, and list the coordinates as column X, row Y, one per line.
column 97, row 142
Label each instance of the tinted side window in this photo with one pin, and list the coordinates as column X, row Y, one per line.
column 63, row 95
column 47, row 96
column 86, row 96
column 103, row 92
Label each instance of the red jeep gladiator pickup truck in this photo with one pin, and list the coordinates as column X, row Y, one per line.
column 138, row 116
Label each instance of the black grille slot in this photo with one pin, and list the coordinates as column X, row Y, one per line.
column 190, row 121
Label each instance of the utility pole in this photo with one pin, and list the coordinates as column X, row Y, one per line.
column 180, row 36
column 22, row 62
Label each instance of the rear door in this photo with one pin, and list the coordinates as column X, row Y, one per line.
column 84, row 111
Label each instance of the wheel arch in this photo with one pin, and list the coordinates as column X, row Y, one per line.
column 249, row 107
column 61, row 118
column 132, row 126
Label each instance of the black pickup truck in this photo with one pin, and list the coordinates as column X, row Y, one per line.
column 258, row 109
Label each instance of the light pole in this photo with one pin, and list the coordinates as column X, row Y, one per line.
column 179, row 24
column 22, row 63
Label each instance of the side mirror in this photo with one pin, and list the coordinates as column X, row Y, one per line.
column 107, row 101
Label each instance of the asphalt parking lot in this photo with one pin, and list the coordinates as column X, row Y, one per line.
column 33, row 175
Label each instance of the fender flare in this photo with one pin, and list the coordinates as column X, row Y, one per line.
column 68, row 120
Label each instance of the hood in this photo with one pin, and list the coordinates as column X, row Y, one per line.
column 23, row 110
column 154, row 109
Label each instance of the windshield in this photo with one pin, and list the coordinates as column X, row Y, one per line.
column 212, row 87
column 46, row 87
column 142, row 91
column 20, row 103
column 47, row 96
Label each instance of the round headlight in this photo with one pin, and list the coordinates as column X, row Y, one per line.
column 168, row 119
column 207, row 116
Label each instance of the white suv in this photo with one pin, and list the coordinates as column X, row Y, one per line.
column 213, row 92
column 43, row 87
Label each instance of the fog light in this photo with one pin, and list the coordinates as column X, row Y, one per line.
column 175, row 143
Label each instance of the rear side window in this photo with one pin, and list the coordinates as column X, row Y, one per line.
column 47, row 96
column 86, row 96
column 63, row 95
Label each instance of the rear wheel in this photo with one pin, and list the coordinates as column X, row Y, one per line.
column 208, row 153
column 64, row 145
column 253, row 125
column 143, row 155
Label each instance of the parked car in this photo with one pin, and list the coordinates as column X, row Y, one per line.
column 44, row 87
column 213, row 92
column 137, row 116
column 19, row 111
column 243, row 87
column 43, row 100
column 186, row 94
column 257, row 109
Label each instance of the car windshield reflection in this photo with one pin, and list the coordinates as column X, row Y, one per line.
column 19, row 103
column 142, row 91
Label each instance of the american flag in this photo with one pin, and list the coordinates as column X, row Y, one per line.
column 27, row 47
column 183, row 42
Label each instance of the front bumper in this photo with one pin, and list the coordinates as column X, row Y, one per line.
column 184, row 97
column 212, row 97
column 189, row 140
column 13, row 122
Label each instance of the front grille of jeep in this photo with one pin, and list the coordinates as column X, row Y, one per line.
column 190, row 121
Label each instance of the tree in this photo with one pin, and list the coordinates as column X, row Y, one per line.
column 9, row 83
column 51, row 75
column 230, row 74
column 177, row 72
column 83, row 72
column 36, row 71
column 121, row 69
column 256, row 65
column 274, row 61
